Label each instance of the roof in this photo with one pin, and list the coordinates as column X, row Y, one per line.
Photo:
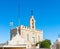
column 17, row 40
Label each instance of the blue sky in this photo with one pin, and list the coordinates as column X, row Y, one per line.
column 46, row 14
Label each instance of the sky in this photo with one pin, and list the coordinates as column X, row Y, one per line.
column 46, row 14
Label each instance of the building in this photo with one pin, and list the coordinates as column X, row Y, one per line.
column 26, row 35
column 56, row 44
column 23, row 37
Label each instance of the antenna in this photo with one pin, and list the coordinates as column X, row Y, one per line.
column 19, row 15
column 18, row 12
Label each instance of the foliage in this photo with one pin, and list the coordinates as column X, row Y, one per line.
column 48, row 41
column 44, row 44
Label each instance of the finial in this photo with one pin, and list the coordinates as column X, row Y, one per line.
column 31, row 12
column 58, row 35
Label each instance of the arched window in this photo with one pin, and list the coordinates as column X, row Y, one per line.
column 27, row 37
column 32, row 20
column 33, row 39
column 14, row 34
column 38, row 38
column 32, row 23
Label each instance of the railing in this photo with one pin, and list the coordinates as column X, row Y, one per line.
column 38, row 48
column 18, row 45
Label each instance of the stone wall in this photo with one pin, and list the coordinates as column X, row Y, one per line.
column 38, row 48
column 12, row 47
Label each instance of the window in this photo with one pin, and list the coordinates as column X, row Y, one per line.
column 27, row 37
column 14, row 34
column 33, row 39
column 38, row 38
column 32, row 25
column 32, row 20
column 57, row 46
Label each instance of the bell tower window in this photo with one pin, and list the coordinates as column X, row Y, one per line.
column 32, row 23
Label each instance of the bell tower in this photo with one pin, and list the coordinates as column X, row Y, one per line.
column 32, row 21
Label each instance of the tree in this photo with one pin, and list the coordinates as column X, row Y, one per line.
column 48, row 41
column 44, row 44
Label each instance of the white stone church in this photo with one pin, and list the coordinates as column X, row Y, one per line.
column 27, row 36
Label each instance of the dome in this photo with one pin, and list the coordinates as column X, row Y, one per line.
column 58, row 39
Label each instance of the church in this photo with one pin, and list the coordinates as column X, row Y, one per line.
column 26, row 35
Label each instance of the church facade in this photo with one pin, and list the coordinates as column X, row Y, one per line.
column 27, row 35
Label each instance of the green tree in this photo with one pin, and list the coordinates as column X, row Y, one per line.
column 44, row 44
column 48, row 41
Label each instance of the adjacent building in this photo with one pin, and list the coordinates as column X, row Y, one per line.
column 56, row 44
